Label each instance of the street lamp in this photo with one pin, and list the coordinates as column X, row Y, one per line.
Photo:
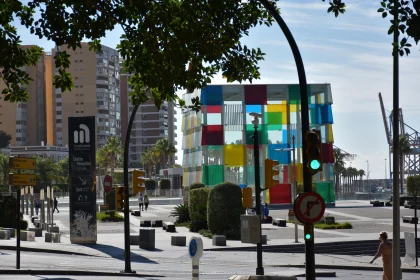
column 294, row 181
column 255, row 122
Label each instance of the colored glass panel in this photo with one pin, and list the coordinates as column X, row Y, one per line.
column 214, row 109
column 324, row 189
column 326, row 113
column 282, row 155
column 274, row 108
column 330, row 133
column 280, row 193
column 293, row 108
column 275, row 127
column 255, row 94
column 214, row 119
column 215, row 154
column 299, row 172
column 294, row 94
column 273, row 118
column 234, row 155
column 315, row 114
column 212, row 95
column 212, row 135
column 253, row 108
column 213, row 174
column 262, row 134
column 327, row 153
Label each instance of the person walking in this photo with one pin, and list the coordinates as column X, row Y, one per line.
column 385, row 250
column 141, row 201
column 55, row 205
column 36, row 206
column 146, row 201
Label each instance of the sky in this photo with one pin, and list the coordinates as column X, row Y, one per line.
column 351, row 52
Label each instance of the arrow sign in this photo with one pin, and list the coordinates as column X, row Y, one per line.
column 22, row 163
column 22, row 179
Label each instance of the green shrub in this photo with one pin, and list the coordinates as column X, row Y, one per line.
column 206, row 233
column 345, row 225
column 225, row 210
column 111, row 216
column 150, row 184
column 165, row 184
column 197, row 204
column 181, row 212
column 197, row 185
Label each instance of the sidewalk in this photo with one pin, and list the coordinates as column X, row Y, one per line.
column 112, row 246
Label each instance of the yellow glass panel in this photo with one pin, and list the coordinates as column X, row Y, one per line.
column 292, row 108
column 185, row 179
column 190, row 140
column 330, row 133
column 284, row 118
column 267, row 197
column 319, row 98
column 277, row 108
column 234, row 155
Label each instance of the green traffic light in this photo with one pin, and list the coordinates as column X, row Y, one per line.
column 315, row 164
column 307, row 236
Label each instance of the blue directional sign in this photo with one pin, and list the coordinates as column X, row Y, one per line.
column 192, row 248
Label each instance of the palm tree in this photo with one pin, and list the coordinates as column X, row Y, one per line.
column 149, row 159
column 338, row 166
column 165, row 151
column 361, row 173
column 4, row 170
column 403, row 149
column 112, row 150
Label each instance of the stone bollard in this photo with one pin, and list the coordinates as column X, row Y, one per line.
column 27, row 236
column 178, row 240
column 11, row 231
column 52, row 237
column 4, row 234
column 219, row 240
column 38, row 231
column 147, row 238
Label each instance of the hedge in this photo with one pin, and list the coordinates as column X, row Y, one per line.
column 150, row 184
column 197, row 204
column 165, row 184
column 197, row 185
column 224, row 210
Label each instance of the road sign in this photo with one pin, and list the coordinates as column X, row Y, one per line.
column 22, row 179
column 309, row 207
column 107, row 183
column 22, row 163
column 195, row 248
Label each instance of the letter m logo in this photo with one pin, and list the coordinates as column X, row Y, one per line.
column 82, row 135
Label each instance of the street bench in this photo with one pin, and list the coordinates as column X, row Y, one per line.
column 33, row 218
column 378, row 204
column 279, row 222
column 169, row 227
column 219, row 240
column 37, row 230
column 178, row 240
column 410, row 220
column 4, row 234
column 52, row 237
column 145, row 223
column 157, row 223
column 147, row 238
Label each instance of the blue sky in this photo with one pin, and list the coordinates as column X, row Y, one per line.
column 351, row 52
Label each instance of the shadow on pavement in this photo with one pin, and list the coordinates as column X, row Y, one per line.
column 118, row 253
column 53, row 278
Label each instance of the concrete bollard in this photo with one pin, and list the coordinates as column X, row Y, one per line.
column 52, row 228
column 147, row 238
column 52, row 237
column 11, row 231
column 219, row 240
column 134, row 240
column 27, row 235
column 38, row 231
column 178, row 240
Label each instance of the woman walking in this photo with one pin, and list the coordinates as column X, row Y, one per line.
column 385, row 250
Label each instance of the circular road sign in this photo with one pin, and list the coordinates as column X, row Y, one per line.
column 107, row 183
column 195, row 248
column 309, row 207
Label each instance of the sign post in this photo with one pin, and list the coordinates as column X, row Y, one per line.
column 195, row 250
column 20, row 180
column 82, row 154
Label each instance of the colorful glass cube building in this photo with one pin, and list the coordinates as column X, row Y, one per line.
column 217, row 144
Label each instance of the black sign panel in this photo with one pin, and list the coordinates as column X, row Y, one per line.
column 82, row 156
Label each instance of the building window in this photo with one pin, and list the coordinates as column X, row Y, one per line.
column 58, row 112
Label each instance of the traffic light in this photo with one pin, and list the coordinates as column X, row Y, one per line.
column 308, row 230
column 313, row 151
column 271, row 173
column 120, row 199
column 247, row 197
column 138, row 181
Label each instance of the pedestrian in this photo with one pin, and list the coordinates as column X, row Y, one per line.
column 146, row 201
column 55, row 205
column 141, row 201
column 265, row 214
column 385, row 250
column 36, row 206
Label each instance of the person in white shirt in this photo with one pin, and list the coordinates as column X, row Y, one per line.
column 141, row 201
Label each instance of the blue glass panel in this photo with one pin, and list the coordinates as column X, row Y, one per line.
column 282, row 156
column 253, row 108
column 212, row 95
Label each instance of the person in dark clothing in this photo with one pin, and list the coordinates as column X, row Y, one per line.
column 146, row 201
column 55, row 205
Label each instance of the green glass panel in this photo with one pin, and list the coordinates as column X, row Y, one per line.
column 332, row 192
column 213, row 174
column 323, row 189
column 294, row 94
column 273, row 117
column 262, row 134
column 276, row 127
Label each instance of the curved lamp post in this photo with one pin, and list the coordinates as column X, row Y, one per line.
column 307, row 178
